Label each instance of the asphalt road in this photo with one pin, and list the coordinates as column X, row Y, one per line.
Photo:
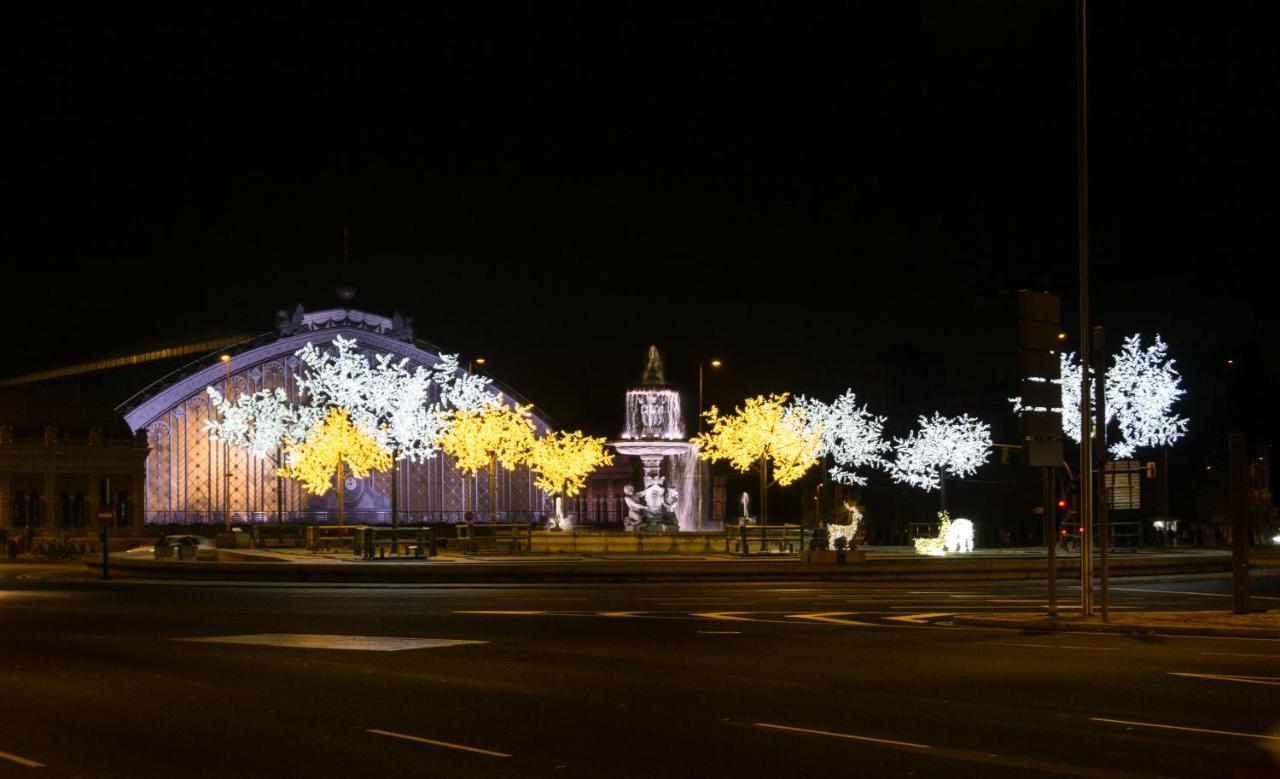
column 103, row 679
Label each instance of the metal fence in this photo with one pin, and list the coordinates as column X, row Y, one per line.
column 240, row 519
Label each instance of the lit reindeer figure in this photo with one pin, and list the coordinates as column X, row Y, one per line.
column 848, row 532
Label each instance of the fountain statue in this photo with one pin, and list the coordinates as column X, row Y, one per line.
column 654, row 432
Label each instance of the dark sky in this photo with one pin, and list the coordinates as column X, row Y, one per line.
column 793, row 189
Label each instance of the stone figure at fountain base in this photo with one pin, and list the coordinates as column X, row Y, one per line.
column 656, row 512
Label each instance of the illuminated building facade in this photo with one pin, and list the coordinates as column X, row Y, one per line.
column 191, row 478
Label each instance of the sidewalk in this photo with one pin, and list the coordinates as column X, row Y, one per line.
column 1170, row 623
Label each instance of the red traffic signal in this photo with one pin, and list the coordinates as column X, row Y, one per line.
column 1062, row 503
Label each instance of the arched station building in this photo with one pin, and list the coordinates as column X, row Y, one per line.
column 191, row 478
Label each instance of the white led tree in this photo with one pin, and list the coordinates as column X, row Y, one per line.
column 262, row 423
column 1141, row 387
column 943, row 446
column 849, row 433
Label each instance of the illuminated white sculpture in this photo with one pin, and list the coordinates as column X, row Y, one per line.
column 959, row 536
column 953, row 536
column 853, row 436
column 942, row 447
column 848, row 532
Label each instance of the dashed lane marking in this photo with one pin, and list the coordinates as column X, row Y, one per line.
column 1274, row 681
column 318, row 641
column 1185, row 729
column 719, row 632
column 504, row 612
column 1186, row 592
column 618, row 613
column 849, row 736
column 833, row 618
column 433, row 742
column 20, row 760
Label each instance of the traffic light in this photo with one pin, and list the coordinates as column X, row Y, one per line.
column 1062, row 503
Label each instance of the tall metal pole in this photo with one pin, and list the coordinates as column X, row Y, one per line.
column 226, row 452
column 1051, row 539
column 699, row 397
column 1082, row 249
column 1100, row 442
column 1239, row 507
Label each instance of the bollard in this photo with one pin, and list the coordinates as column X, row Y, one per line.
column 742, row 532
column 418, row 537
column 367, row 532
column 432, row 534
column 311, row 538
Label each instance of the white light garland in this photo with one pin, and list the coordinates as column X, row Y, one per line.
column 853, row 436
column 943, row 446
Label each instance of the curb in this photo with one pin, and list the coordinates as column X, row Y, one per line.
column 919, row 571
column 1047, row 625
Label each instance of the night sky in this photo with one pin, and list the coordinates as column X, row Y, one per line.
column 792, row 190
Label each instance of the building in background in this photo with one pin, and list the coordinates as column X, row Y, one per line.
column 61, row 460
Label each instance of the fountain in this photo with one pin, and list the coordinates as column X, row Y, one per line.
column 669, row 499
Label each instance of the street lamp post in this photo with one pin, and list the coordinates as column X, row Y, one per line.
column 226, row 449
column 706, row 471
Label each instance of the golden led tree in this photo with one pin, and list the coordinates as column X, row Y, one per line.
column 332, row 445
column 489, row 436
column 761, row 431
column 562, row 461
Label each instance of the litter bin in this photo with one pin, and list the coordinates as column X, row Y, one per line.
column 187, row 548
column 164, row 549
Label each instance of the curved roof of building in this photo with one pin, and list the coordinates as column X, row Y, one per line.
column 294, row 330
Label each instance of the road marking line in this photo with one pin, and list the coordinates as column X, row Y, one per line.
column 1052, row 646
column 508, row 613
column 1186, row 592
column 921, row 619
column 20, row 760
column 1271, row 680
column 719, row 632
column 1239, row 654
column 618, row 613
column 730, row 616
column 1185, row 729
column 319, row 641
column 433, row 742
column 832, row 618
column 849, row 736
